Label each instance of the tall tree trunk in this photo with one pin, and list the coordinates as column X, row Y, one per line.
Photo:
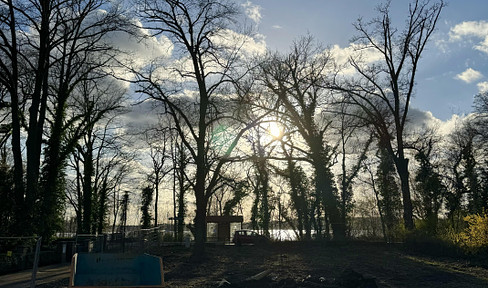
column 200, row 225
column 79, row 193
column 181, row 213
column 378, row 204
column 325, row 188
column 37, row 113
column 344, row 182
column 264, row 188
column 49, row 192
column 102, row 206
column 87, row 186
column 200, row 189
column 16, row 127
column 182, row 190
column 402, row 168
column 156, row 199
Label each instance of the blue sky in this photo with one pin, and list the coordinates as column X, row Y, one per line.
column 454, row 67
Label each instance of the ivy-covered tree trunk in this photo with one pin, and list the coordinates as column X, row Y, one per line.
column 181, row 213
column 389, row 191
column 430, row 188
column 146, row 199
column 102, row 207
column 52, row 188
column 326, row 190
column 260, row 211
column 255, row 208
column 7, row 199
column 475, row 204
column 299, row 199
column 264, row 210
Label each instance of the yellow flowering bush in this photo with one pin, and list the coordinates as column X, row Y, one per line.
column 475, row 236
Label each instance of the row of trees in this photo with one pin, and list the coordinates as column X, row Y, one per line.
column 62, row 105
column 55, row 87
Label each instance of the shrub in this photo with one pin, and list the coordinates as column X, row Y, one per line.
column 449, row 235
column 422, row 241
column 474, row 238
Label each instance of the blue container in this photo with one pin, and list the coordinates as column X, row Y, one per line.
column 116, row 270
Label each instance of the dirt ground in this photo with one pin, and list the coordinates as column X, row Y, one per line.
column 319, row 264
column 315, row 264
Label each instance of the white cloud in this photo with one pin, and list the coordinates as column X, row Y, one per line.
column 276, row 27
column 139, row 50
column 228, row 41
column 365, row 55
column 483, row 87
column 141, row 46
column 142, row 116
column 146, row 47
column 420, row 120
column 248, row 45
column 442, row 45
column 477, row 29
column 469, row 76
column 449, row 126
column 253, row 11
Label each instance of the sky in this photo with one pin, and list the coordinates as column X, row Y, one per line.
column 453, row 69
column 454, row 66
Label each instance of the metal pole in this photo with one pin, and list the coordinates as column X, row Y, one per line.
column 175, row 230
column 36, row 262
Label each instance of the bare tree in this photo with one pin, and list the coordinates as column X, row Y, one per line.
column 100, row 166
column 383, row 90
column 349, row 130
column 9, row 78
column 41, row 69
column 159, row 155
column 228, row 195
column 298, row 81
column 181, row 160
column 481, row 104
column 206, row 119
column 371, row 181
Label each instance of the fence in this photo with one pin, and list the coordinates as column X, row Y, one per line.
column 18, row 253
column 141, row 241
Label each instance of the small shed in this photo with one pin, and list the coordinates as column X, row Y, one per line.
column 221, row 228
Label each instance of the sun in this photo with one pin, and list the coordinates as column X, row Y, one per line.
column 275, row 129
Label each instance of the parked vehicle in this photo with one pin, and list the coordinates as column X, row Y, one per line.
column 248, row 237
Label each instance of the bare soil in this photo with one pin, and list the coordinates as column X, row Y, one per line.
column 318, row 264
column 315, row 264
